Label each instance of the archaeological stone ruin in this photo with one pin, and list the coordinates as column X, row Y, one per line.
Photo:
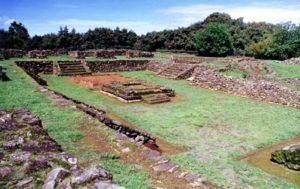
column 289, row 156
column 136, row 90
column 34, row 160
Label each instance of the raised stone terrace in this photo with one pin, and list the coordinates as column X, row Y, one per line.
column 136, row 90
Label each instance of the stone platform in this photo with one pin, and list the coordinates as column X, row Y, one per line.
column 133, row 90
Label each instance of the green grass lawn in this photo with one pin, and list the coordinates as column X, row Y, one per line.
column 214, row 127
column 62, row 124
column 235, row 73
column 285, row 71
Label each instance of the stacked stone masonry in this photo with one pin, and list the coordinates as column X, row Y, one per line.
column 117, row 65
column 134, row 90
column 11, row 53
column 253, row 87
column 34, row 68
column 32, row 159
column 138, row 54
column 292, row 61
column 108, row 54
column 68, row 68
column 177, row 71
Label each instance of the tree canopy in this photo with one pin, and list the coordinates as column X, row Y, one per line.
column 216, row 35
column 214, row 40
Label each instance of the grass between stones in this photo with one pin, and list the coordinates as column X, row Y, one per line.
column 63, row 124
column 214, row 127
column 285, row 71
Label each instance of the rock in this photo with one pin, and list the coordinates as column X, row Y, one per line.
column 20, row 157
column 5, row 171
column 39, row 162
column 165, row 167
column 30, row 146
column 88, row 175
column 152, row 154
column 10, row 145
column 65, row 185
column 191, row 177
column 106, row 185
column 126, row 150
column 24, row 182
column 45, row 146
column 54, row 176
column 68, row 158
column 289, row 156
column 1, row 155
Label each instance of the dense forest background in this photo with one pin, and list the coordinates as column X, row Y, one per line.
column 217, row 35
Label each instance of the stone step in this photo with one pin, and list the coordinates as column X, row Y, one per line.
column 72, row 69
column 73, row 73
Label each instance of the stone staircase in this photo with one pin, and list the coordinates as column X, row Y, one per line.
column 177, row 71
column 156, row 98
column 70, row 68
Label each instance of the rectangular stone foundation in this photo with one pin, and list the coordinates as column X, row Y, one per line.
column 134, row 90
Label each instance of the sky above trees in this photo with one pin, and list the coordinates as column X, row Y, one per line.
column 47, row 16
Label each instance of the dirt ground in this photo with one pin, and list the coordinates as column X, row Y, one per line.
column 97, row 81
column 95, row 140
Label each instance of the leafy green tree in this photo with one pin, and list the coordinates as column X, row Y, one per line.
column 18, row 36
column 214, row 40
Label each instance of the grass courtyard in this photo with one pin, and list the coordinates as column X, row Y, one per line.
column 215, row 128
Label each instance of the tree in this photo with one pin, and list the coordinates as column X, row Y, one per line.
column 18, row 36
column 214, row 40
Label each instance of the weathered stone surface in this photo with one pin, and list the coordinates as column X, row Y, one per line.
column 191, row 176
column 106, row 185
column 292, row 61
column 136, row 54
column 20, row 157
column 23, row 183
column 37, row 153
column 10, row 145
column 88, row 175
column 11, row 53
column 35, row 164
column 117, row 65
column 54, row 176
column 289, row 156
column 165, row 167
column 255, row 87
column 5, row 171
column 177, row 71
column 136, row 89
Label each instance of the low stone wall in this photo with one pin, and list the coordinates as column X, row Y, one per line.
column 117, row 65
column 255, row 87
column 108, row 54
column 100, row 115
column 32, row 159
column 138, row 54
column 11, row 53
column 39, row 53
column 34, row 68
column 292, row 61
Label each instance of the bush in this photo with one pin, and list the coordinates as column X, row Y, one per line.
column 214, row 40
